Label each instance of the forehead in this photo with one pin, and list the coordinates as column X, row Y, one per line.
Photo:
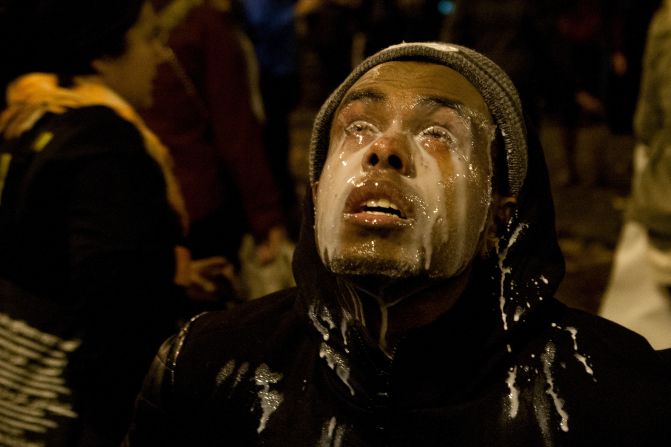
column 409, row 80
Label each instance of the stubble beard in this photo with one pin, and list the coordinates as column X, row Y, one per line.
column 358, row 265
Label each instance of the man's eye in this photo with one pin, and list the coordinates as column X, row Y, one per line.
column 361, row 128
column 438, row 133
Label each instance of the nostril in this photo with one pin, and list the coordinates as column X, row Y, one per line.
column 395, row 161
column 374, row 159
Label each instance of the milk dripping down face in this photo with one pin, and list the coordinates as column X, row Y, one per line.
column 406, row 186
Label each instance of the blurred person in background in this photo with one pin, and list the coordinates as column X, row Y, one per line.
column 207, row 110
column 330, row 33
column 271, row 26
column 628, row 25
column 91, row 220
column 516, row 34
column 639, row 290
column 387, row 23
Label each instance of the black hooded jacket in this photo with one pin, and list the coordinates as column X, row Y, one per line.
column 508, row 365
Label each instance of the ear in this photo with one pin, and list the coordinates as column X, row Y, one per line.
column 500, row 213
column 504, row 207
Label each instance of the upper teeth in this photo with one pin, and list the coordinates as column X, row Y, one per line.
column 381, row 203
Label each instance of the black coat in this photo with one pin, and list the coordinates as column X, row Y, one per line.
column 87, row 241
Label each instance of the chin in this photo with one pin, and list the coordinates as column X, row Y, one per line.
column 367, row 265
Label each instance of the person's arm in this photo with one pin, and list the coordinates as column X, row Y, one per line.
column 237, row 132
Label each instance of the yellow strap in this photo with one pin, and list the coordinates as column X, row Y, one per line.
column 5, row 160
column 42, row 140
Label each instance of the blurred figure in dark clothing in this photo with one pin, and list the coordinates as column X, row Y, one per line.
column 271, row 25
column 330, row 32
column 90, row 220
column 629, row 21
column 605, row 43
column 583, row 31
column 391, row 22
column 204, row 112
column 556, row 54
column 516, row 34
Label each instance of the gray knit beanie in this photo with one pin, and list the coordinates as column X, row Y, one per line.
column 488, row 78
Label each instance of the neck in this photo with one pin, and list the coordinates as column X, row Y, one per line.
column 389, row 307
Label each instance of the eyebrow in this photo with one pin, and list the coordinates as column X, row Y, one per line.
column 439, row 101
column 459, row 107
column 433, row 101
column 366, row 95
column 373, row 95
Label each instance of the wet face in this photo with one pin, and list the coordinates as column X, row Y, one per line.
column 131, row 74
column 406, row 187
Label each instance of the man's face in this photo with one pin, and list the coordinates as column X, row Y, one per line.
column 406, row 187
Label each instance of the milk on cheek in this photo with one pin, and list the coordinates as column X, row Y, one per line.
column 442, row 236
column 341, row 173
column 460, row 203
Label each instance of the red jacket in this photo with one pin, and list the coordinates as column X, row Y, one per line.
column 212, row 132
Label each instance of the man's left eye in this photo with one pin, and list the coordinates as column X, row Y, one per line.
column 438, row 133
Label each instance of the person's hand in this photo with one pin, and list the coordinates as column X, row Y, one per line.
column 589, row 103
column 269, row 249
column 207, row 272
column 618, row 62
column 204, row 278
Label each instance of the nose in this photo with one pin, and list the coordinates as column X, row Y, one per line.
column 390, row 152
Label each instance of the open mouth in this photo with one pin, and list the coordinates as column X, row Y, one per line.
column 379, row 202
column 382, row 207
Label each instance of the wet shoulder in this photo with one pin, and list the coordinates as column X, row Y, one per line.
column 588, row 381
column 609, row 341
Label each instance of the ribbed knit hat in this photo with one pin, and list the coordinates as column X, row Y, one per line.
column 488, row 78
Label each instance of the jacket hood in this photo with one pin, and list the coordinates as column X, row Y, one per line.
column 527, row 265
